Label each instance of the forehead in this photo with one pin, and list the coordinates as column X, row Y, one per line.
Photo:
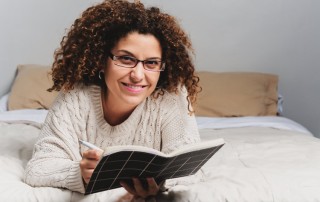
column 137, row 43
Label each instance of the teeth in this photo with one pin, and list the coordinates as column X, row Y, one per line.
column 134, row 87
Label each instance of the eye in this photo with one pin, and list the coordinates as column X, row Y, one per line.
column 152, row 63
column 126, row 59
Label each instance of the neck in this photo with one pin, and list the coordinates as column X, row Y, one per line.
column 114, row 113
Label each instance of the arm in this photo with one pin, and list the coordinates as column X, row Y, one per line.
column 178, row 127
column 56, row 155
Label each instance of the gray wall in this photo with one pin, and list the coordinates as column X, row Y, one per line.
column 274, row 36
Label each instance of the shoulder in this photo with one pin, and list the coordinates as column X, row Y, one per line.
column 79, row 92
column 73, row 104
column 181, row 96
column 80, row 95
column 171, row 101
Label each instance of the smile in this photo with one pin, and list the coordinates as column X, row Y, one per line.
column 134, row 88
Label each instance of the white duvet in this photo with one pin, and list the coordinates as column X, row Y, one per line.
column 257, row 163
column 260, row 164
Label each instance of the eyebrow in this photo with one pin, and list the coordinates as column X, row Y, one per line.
column 131, row 54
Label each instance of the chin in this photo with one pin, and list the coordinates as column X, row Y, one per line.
column 135, row 101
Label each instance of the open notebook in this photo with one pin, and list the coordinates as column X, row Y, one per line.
column 121, row 163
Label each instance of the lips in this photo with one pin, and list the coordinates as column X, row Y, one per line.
column 134, row 88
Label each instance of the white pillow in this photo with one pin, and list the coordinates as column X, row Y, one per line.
column 4, row 103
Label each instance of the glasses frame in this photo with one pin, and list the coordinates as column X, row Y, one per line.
column 115, row 58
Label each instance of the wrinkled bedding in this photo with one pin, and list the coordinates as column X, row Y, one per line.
column 260, row 164
column 256, row 164
column 17, row 140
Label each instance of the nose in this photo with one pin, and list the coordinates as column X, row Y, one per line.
column 137, row 73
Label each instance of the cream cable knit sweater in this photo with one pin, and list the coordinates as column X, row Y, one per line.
column 162, row 124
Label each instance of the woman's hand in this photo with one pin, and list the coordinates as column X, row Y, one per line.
column 139, row 191
column 89, row 161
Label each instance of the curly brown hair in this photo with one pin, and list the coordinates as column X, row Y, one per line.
column 84, row 51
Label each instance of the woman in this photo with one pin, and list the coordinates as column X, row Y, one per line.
column 125, row 77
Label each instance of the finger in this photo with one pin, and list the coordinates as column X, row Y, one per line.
column 153, row 187
column 128, row 188
column 88, row 163
column 92, row 154
column 86, row 174
column 139, row 188
column 87, row 166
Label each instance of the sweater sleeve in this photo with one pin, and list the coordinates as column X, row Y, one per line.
column 56, row 156
column 178, row 129
column 178, row 126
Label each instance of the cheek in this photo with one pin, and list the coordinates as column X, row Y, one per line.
column 154, row 82
column 155, row 79
column 111, row 72
column 109, row 76
column 108, row 68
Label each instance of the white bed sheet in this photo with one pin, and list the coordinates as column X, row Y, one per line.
column 258, row 164
column 28, row 115
column 203, row 122
column 4, row 102
column 277, row 122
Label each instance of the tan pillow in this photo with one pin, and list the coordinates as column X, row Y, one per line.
column 29, row 89
column 235, row 94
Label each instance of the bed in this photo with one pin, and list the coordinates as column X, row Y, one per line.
column 266, row 157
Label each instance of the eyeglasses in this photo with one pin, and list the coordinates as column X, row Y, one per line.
column 153, row 65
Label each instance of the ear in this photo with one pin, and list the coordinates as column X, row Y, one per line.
column 101, row 74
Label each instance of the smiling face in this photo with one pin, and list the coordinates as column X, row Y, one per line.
column 130, row 86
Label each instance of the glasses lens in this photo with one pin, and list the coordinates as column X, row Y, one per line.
column 126, row 61
column 153, row 65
